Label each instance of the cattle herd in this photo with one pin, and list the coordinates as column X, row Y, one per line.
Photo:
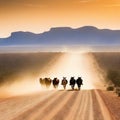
column 46, row 82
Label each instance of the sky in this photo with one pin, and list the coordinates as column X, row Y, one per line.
column 40, row 15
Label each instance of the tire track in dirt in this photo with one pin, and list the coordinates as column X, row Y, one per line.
column 65, row 110
column 62, row 105
column 85, row 107
column 56, row 106
column 104, row 109
column 27, row 115
column 82, row 107
column 16, row 105
column 89, row 108
column 75, row 108
column 112, row 102
column 96, row 108
column 100, row 110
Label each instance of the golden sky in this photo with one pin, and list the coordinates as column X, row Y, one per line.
column 40, row 15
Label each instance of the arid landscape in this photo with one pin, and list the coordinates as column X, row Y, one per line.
column 23, row 98
column 60, row 105
column 59, row 59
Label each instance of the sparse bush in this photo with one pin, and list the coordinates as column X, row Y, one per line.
column 114, row 76
column 110, row 88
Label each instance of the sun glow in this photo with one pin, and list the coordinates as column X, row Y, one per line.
column 75, row 65
column 66, row 65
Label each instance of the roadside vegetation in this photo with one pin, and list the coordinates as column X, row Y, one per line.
column 16, row 65
column 110, row 63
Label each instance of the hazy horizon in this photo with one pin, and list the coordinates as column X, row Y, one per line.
column 57, row 48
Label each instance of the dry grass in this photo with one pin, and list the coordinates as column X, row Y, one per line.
column 15, row 65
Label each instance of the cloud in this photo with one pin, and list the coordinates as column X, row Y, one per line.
column 112, row 5
column 84, row 0
column 19, row 4
column 34, row 5
column 87, row 1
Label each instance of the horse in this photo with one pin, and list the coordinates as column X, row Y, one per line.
column 79, row 82
column 72, row 82
column 55, row 82
column 42, row 82
column 64, row 82
column 47, row 82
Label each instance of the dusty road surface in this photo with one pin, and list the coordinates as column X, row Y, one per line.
column 87, row 104
column 56, row 105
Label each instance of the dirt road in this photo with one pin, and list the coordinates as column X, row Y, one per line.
column 55, row 105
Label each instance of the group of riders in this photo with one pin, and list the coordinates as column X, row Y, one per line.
column 47, row 82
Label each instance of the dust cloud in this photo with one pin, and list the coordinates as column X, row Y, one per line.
column 66, row 65
column 75, row 65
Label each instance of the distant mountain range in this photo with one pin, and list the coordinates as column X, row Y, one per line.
column 87, row 35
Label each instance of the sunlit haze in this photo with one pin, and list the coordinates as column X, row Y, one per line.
column 77, row 65
column 67, row 65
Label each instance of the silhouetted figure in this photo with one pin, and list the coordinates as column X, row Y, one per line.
column 79, row 82
column 55, row 82
column 42, row 82
column 64, row 82
column 47, row 82
column 72, row 82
